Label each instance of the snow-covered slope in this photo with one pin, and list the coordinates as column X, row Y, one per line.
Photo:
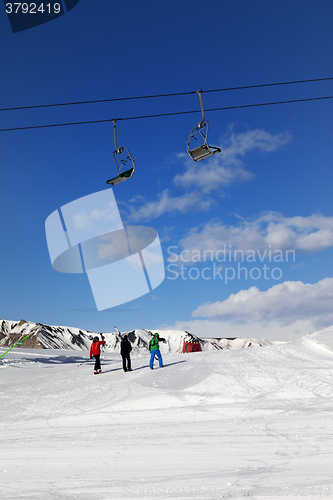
column 215, row 424
column 323, row 337
column 62, row 337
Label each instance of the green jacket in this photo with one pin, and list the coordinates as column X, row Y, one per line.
column 153, row 344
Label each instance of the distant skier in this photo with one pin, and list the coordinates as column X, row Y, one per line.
column 95, row 351
column 155, row 350
column 125, row 349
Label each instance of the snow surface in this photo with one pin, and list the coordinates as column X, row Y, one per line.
column 212, row 424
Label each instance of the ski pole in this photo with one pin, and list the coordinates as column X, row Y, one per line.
column 17, row 343
column 86, row 361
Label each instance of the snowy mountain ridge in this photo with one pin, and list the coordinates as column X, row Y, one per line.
column 43, row 336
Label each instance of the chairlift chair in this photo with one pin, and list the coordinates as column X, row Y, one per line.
column 200, row 131
column 121, row 156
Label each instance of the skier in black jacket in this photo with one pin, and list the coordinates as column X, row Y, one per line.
column 125, row 349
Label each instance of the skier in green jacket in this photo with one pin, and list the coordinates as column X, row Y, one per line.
column 155, row 350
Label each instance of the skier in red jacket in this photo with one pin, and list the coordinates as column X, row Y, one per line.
column 95, row 351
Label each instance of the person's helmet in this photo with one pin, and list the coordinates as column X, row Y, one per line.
column 96, row 339
column 156, row 335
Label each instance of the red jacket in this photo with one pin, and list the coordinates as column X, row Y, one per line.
column 96, row 347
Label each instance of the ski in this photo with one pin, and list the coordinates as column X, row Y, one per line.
column 149, row 332
column 119, row 333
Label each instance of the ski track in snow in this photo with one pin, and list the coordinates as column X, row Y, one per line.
column 249, row 422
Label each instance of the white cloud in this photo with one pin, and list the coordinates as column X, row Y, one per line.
column 285, row 312
column 236, row 145
column 211, row 175
column 282, row 304
column 227, row 167
column 201, row 178
column 268, row 233
column 87, row 220
column 166, row 204
column 272, row 331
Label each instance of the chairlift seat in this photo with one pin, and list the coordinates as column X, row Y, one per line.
column 202, row 152
column 121, row 177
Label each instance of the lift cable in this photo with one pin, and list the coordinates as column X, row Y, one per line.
column 165, row 95
column 166, row 114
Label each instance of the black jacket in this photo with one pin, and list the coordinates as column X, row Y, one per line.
column 125, row 346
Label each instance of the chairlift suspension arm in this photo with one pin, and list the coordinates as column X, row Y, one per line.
column 202, row 109
column 115, row 134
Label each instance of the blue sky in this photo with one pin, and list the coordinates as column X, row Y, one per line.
column 268, row 191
